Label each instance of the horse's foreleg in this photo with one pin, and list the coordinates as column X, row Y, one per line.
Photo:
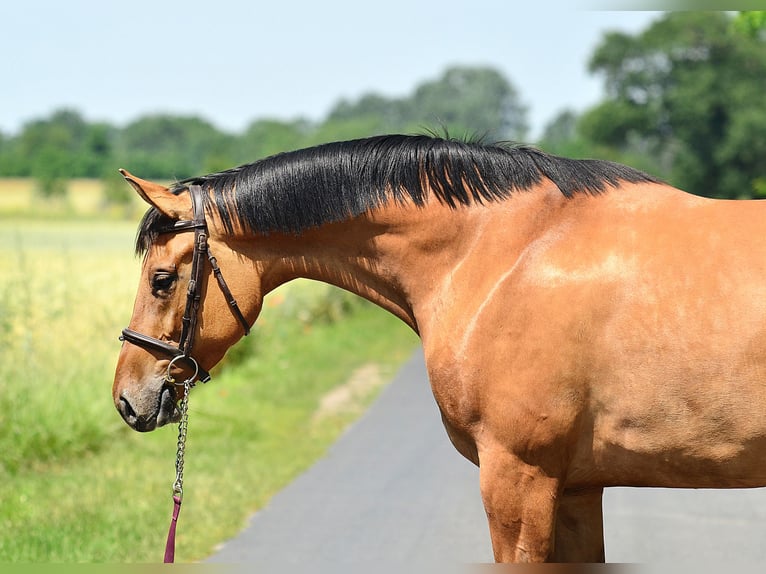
column 580, row 527
column 520, row 502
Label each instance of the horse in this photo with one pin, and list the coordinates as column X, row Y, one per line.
column 584, row 324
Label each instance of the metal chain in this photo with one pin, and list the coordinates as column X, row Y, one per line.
column 178, row 485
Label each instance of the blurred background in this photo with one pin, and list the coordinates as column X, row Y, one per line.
column 173, row 89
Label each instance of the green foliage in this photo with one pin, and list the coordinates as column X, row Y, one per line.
column 63, row 145
column 564, row 136
column 759, row 185
column 473, row 100
column 321, row 304
column 6, row 161
column 51, row 186
column 752, row 24
column 688, row 91
column 116, row 194
column 267, row 137
column 388, row 114
column 610, row 122
column 464, row 100
column 164, row 147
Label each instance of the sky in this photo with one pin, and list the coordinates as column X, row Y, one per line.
column 233, row 61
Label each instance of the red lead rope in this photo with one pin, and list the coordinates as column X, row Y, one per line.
column 170, row 545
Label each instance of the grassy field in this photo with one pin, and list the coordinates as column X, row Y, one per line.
column 78, row 484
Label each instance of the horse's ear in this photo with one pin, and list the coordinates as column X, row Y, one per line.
column 172, row 205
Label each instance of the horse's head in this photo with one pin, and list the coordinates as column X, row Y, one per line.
column 182, row 321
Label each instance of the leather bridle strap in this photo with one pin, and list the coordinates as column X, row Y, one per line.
column 154, row 344
column 194, row 290
column 227, row 293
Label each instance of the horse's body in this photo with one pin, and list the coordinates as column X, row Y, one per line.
column 612, row 334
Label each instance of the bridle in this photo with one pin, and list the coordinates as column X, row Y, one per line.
column 183, row 351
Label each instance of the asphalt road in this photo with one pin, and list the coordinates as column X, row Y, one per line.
column 393, row 490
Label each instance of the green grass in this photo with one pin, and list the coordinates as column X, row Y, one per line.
column 251, row 431
column 64, row 289
column 78, row 484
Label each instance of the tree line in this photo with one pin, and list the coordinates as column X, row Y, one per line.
column 64, row 145
column 683, row 99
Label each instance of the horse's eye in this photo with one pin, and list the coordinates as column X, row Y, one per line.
column 163, row 282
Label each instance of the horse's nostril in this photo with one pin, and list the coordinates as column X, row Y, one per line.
column 127, row 412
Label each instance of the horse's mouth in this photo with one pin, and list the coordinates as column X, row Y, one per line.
column 167, row 411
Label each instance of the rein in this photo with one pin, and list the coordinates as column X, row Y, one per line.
column 183, row 351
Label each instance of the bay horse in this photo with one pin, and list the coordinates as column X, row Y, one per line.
column 584, row 324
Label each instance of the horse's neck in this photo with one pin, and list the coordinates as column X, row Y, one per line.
column 415, row 262
column 392, row 257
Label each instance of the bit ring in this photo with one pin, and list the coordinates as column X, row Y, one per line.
column 190, row 380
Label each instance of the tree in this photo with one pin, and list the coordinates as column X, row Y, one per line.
column 471, row 100
column 560, row 131
column 752, row 24
column 6, row 147
column 463, row 100
column 265, row 137
column 689, row 91
column 563, row 136
column 165, row 146
column 98, row 148
column 52, row 150
column 380, row 113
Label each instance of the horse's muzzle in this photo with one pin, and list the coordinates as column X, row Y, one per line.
column 164, row 413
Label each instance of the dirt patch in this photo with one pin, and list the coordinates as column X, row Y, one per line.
column 350, row 397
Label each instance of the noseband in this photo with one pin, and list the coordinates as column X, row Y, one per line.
column 193, row 294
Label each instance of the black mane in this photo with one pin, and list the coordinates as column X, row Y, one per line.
column 294, row 191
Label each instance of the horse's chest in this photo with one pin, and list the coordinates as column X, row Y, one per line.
column 459, row 404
